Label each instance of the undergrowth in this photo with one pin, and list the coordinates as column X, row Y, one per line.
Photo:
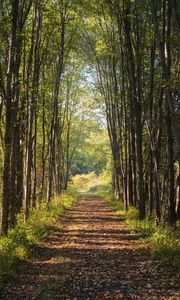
column 116, row 205
column 20, row 241
column 164, row 241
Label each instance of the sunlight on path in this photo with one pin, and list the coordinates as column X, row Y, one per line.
column 92, row 256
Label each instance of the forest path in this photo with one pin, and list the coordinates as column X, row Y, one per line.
column 92, row 254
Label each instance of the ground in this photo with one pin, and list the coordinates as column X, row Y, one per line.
column 91, row 254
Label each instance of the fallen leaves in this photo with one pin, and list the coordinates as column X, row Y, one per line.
column 92, row 255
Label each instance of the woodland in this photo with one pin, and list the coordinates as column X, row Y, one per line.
column 89, row 91
column 87, row 86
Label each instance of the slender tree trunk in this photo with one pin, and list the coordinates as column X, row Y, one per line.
column 9, row 122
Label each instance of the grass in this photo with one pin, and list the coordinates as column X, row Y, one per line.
column 92, row 184
column 164, row 241
column 116, row 205
column 20, row 241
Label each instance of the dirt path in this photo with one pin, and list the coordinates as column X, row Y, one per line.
column 92, row 256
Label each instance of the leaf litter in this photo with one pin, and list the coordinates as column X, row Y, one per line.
column 92, row 255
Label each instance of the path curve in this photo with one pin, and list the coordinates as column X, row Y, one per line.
column 92, row 255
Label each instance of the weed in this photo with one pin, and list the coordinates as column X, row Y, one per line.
column 25, row 236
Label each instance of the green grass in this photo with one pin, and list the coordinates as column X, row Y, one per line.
column 92, row 184
column 20, row 241
column 164, row 241
column 115, row 204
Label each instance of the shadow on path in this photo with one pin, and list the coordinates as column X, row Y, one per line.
column 94, row 256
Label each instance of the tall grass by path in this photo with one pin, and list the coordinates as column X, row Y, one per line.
column 20, row 241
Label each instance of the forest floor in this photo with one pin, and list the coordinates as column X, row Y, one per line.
column 90, row 253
